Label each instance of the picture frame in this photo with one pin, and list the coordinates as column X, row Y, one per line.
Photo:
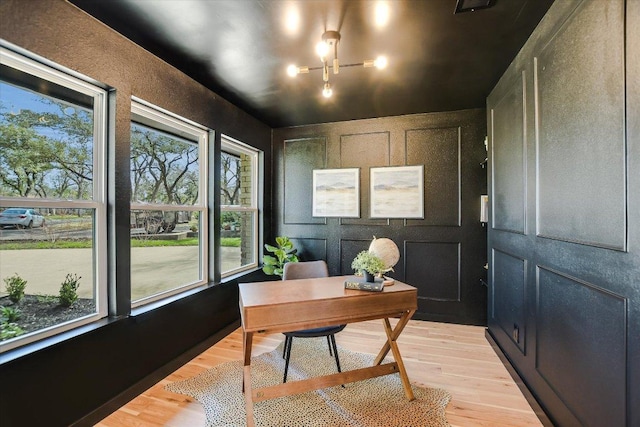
column 397, row 192
column 336, row 193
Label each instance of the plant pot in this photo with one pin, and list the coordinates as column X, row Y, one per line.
column 368, row 276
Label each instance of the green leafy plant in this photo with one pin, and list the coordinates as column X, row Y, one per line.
column 283, row 253
column 69, row 290
column 15, row 287
column 367, row 261
column 9, row 314
column 46, row 298
column 10, row 330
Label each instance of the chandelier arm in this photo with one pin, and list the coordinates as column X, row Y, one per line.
column 357, row 64
column 332, row 39
column 336, row 63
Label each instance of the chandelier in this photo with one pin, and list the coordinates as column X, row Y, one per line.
column 329, row 43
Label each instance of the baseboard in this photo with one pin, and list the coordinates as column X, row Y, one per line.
column 537, row 408
column 138, row 388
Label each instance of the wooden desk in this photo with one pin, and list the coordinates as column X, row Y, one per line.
column 290, row 305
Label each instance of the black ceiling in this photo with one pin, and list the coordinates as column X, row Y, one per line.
column 240, row 49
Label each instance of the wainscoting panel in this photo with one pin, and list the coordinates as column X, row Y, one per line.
column 310, row 249
column 439, row 151
column 581, row 326
column 349, row 248
column 301, row 157
column 506, row 119
column 363, row 151
column 581, row 144
column 434, row 268
column 508, row 296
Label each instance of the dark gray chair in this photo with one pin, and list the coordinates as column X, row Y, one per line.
column 309, row 270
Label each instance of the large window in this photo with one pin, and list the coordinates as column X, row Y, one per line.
column 52, row 201
column 168, row 204
column 239, row 206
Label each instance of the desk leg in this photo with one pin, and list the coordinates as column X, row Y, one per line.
column 404, row 319
column 392, row 336
column 247, row 338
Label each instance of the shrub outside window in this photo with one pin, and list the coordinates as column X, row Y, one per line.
column 168, row 204
column 53, row 262
column 239, row 207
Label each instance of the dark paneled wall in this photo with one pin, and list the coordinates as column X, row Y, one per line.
column 564, row 133
column 73, row 377
column 443, row 254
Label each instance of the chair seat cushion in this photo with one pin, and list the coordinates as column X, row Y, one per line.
column 316, row 332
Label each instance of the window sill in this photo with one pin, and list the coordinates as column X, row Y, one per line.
column 239, row 274
column 52, row 341
column 140, row 311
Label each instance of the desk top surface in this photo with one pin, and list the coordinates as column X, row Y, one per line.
column 303, row 290
column 288, row 305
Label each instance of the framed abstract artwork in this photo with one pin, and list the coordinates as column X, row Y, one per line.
column 397, row 192
column 336, row 192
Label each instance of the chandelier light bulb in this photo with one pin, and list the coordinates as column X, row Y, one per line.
column 327, row 91
column 382, row 14
column 322, row 49
column 381, row 62
column 293, row 71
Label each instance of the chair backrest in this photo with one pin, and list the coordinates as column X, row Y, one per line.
column 305, row 270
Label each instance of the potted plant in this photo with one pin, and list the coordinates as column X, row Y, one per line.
column 369, row 264
column 283, row 253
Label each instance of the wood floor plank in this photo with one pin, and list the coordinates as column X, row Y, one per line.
column 456, row 358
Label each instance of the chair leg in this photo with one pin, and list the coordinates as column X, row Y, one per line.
column 335, row 351
column 286, row 342
column 287, row 349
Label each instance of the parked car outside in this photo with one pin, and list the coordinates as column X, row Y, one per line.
column 21, row 218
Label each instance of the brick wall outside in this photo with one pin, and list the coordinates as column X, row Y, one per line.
column 246, row 224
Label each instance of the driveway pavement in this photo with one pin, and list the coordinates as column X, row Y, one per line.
column 153, row 269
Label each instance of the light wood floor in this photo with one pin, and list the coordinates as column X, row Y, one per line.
column 457, row 358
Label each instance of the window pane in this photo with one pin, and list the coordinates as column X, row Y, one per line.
column 167, row 175
column 52, row 215
column 58, row 245
column 236, row 180
column 230, row 241
column 46, row 146
column 165, row 251
column 238, row 198
column 164, row 167
column 237, row 240
column 230, row 179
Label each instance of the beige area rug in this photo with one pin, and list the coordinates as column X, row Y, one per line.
column 374, row 402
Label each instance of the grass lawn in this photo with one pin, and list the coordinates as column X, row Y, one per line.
column 135, row 243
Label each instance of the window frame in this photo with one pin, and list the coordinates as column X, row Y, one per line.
column 233, row 146
column 25, row 63
column 152, row 116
